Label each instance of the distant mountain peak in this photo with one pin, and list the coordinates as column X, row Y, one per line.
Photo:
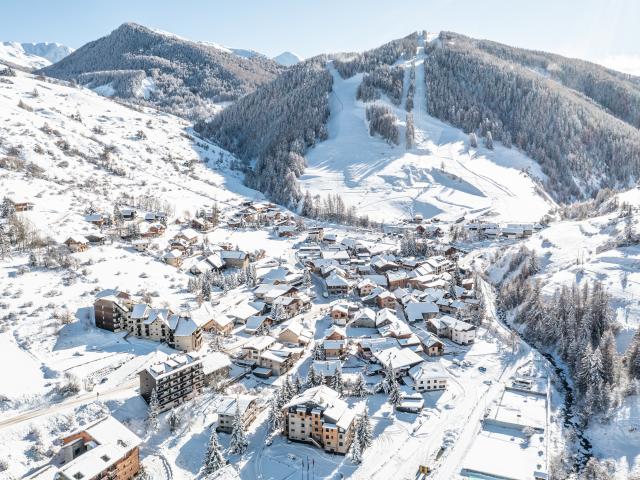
column 32, row 55
column 287, row 59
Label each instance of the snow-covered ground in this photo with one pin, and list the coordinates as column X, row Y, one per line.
column 440, row 176
column 580, row 251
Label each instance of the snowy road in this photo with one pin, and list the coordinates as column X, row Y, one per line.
column 96, row 395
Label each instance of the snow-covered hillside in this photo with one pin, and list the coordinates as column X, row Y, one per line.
column 287, row 59
column 591, row 250
column 440, row 176
column 32, row 55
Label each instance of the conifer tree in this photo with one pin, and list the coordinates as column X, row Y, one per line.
column 214, row 459
column 239, row 441
column 154, row 407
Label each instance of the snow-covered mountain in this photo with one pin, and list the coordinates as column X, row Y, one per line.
column 187, row 78
column 32, row 55
column 287, row 59
column 453, row 91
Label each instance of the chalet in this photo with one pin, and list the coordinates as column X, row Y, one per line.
column 152, row 230
column 330, row 238
column 200, row 267
column 386, row 299
column 286, row 231
column 77, row 243
column 320, row 417
column 216, row 366
column 176, row 378
column 315, row 234
column 128, row 213
column 221, row 324
column 287, row 306
column 396, row 329
column 241, row 312
column 335, row 333
column 20, row 205
column 229, row 406
column 256, row 324
column 189, row 235
column 512, row 232
column 431, row 345
column 96, row 238
column 365, row 287
column 458, row 331
column 337, row 285
column 102, row 449
column 429, row 376
column 201, row 225
column 383, row 264
column 256, row 346
column 294, row 333
column 140, row 244
column 396, row 279
column 384, row 317
column 277, row 360
column 97, row 219
column 420, row 311
column 235, row 258
column 368, row 346
column 365, row 318
column 334, row 349
column 339, row 314
column 173, row 258
column 399, row 360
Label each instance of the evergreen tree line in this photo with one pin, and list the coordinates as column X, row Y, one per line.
column 187, row 76
column 580, row 146
column 383, row 121
column 201, row 286
column 333, row 209
column 368, row 61
column 579, row 326
column 411, row 90
column 618, row 93
column 384, row 78
column 276, row 124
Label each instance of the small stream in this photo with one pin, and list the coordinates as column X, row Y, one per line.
column 585, row 451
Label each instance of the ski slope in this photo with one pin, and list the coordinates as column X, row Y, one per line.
column 440, row 176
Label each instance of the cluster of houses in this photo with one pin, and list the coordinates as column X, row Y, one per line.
column 510, row 231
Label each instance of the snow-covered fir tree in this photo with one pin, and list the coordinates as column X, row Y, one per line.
column 214, row 459
column 239, row 443
column 154, row 408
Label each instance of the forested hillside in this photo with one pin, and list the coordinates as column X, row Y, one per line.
column 275, row 125
column 581, row 146
column 183, row 77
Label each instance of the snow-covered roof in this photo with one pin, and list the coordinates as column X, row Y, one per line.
column 215, row 361
column 168, row 364
column 397, row 358
column 228, row 404
column 428, row 370
column 415, row 311
column 261, row 342
column 113, row 440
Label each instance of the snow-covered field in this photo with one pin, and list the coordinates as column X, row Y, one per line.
column 440, row 176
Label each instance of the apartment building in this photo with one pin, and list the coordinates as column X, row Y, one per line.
column 318, row 416
column 177, row 378
column 246, row 405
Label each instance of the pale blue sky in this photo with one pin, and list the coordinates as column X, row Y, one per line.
column 605, row 30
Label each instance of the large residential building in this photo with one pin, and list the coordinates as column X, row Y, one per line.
column 176, row 378
column 117, row 312
column 105, row 449
column 318, row 416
